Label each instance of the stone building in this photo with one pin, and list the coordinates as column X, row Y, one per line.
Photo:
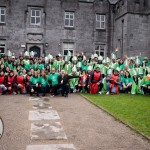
column 59, row 26
column 131, row 27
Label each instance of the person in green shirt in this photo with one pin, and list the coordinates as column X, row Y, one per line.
column 43, row 80
column 121, row 64
column 146, row 85
column 84, row 66
column 74, row 81
column 54, row 80
column 127, row 82
column 34, row 84
column 121, row 76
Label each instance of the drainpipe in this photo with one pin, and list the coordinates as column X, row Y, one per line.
column 122, row 39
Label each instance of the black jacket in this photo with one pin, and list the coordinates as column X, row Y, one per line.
column 66, row 78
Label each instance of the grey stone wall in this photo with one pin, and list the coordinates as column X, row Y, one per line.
column 18, row 31
column 131, row 36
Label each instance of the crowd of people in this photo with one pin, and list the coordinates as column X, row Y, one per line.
column 73, row 73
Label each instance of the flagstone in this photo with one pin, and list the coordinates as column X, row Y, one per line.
column 51, row 147
column 38, row 99
column 47, row 131
column 41, row 106
column 43, row 115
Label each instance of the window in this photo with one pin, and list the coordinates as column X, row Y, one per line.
column 2, row 15
column 35, row 17
column 69, row 19
column 100, row 21
column 100, row 50
column 68, row 47
column 2, row 48
column 137, row 1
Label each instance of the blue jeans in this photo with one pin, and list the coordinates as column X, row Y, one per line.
column 108, row 86
column 3, row 88
column 65, row 89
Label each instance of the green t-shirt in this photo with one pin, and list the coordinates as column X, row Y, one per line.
column 43, row 81
column 127, row 80
column 34, row 80
column 53, row 78
column 84, row 67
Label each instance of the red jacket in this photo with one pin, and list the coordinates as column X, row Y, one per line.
column 2, row 79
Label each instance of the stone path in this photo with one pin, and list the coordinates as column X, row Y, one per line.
column 61, row 123
column 45, row 125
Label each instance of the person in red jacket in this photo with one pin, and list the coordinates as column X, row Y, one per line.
column 27, row 81
column 114, row 82
column 95, row 82
column 11, row 83
column 3, row 88
column 82, row 84
column 21, row 83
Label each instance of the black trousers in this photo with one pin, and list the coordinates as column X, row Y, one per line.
column 100, row 86
column 128, row 89
column 36, row 89
column 55, row 88
column 145, row 89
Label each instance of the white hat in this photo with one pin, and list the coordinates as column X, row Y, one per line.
column 113, row 56
column 50, row 56
column 107, row 60
column 46, row 59
column 79, row 64
column 84, row 58
column 59, row 55
column 31, row 53
column 100, row 58
column 26, row 53
column 74, row 58
column 95, row 55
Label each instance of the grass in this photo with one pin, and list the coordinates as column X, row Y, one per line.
column 133, row 110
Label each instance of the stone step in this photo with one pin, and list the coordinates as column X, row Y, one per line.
column 51, row 147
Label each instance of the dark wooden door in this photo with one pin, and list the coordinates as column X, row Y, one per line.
column 36, row 50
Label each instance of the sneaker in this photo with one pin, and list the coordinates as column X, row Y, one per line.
column 14, row 93
column 52, row 95
column 107, row 93
column 74, row 91
column 66, row 95
column 100, row 93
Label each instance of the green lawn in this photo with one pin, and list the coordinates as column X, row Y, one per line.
column 131, row 109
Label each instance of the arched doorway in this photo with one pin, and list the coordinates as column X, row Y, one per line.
column 36, row 50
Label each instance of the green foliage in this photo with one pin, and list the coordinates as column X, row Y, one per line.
column 131, row 109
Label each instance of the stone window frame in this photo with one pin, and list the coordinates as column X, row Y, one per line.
column 70, row 13
column 99, row 50
column 28, row 16
column 4, row 14
column 35, row 16
column 3, row 44
column 67, row 48
column 100, row 21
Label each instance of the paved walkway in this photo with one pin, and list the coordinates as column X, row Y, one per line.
column 62, row 124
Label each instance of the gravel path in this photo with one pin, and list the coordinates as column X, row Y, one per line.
column 86, row 126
